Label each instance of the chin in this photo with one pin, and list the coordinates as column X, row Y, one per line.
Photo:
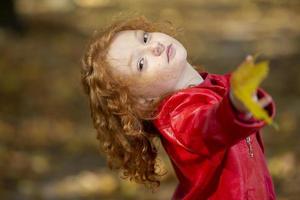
column 181, row 55
column 181, row 59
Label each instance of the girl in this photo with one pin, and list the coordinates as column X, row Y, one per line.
column 140, row 86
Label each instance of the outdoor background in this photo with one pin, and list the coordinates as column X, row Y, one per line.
column 48, row 148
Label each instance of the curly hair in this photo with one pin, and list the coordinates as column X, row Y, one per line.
column 125, row 133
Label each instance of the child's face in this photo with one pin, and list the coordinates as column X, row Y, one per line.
column 142, row 58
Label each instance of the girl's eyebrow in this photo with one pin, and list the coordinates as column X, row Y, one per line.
column 131, row 55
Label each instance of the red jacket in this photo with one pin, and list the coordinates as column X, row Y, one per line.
column 215, row 153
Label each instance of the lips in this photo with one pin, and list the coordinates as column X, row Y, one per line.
column 168, row 52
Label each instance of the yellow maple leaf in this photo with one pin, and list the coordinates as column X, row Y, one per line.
column 244, row 83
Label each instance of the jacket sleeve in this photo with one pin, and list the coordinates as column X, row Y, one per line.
column 205, row 121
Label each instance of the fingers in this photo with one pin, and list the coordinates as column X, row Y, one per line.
column 249, row 58
column 265, row 101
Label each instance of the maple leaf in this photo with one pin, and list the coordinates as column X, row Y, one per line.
column 244, row 83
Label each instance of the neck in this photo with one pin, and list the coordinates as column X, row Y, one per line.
column 189, row 77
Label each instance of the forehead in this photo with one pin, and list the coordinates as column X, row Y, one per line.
column 121, row 47
column 123, row 39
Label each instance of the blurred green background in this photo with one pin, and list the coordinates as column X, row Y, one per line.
column 48, row 148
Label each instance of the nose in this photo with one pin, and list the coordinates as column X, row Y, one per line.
column 158, row 49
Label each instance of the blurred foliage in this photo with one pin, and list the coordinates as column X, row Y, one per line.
column 48, row 148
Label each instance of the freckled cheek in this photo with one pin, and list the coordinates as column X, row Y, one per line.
column 171, row 72
column 158, row 75
column 151, row 85
column 164, row 70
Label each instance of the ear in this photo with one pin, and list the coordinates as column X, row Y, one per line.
column 146, row 100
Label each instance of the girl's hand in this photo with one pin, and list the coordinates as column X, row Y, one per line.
column 244, row 83
column 263, row 102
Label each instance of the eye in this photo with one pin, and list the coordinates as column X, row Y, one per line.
column 145, row 37
column 140, row 64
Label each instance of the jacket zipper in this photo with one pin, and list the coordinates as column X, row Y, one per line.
column 248, row 141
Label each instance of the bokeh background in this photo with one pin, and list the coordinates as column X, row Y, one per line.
column 48, row 148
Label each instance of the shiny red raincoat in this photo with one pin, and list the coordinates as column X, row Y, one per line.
column 215, row 152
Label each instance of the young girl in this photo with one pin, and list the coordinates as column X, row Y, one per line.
column 141, row 86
